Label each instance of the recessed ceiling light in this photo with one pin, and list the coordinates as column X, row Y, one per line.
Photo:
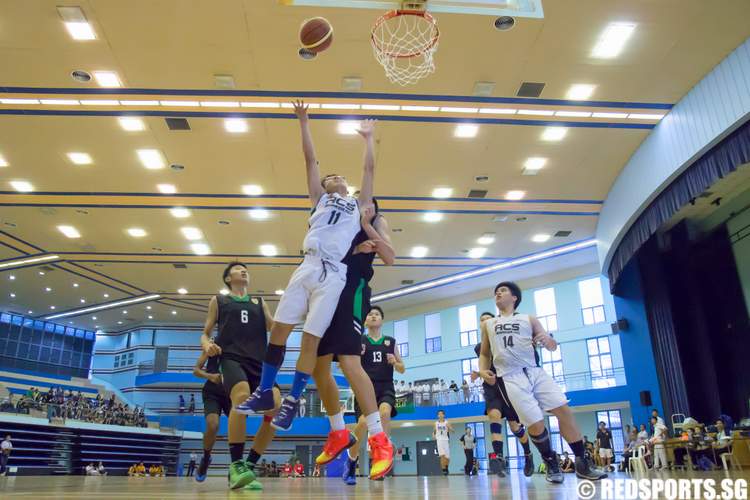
column 442, row 192
column 11, row 277
column 93, row 317
column 148, row 308
column 515, row 195
column 200, row 248
column 107, row 79
column 12, row 295
column 348, row 127
column 486, row 239
column 131, row 123
column 182, row 291
column 83, row 301
column 151, row 158
column 466, row 130
column 535, row 163
column 180, row 212
column 259, row 213
column 80, row 158
column 252, row 190
column 41, row 273
column 192, row 233
column 119, row 322
column 554, row 133
column 136, row 232
column 76, row 23
column 174, row 313
column 268, row 250
column 279, row 292
column 22, row 186
column 224, row 291
column 75, row 285
column 52, row 307
column 47, row 289
column 540, row 238
column 235, row 125
column 3, row 162
column 69, row 231
column 166, row 188
column 125, row 311
column 106, row 295
column 612, row 40
column 418, row 252
column 29, row 312
column 150, row 317
column 432, row 216
column 580, row 91
column 477, row 253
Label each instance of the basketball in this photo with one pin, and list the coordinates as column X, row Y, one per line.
column 316, row 34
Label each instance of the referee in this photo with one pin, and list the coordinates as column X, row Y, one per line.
column 469, row 443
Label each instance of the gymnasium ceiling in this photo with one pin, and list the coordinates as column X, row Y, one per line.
column 170, row 46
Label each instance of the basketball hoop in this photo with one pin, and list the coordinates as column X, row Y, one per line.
column 404, row 42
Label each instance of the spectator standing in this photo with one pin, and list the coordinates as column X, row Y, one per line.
column 469, row 443
column 302, row 405
column 454, row 392
column 660, row 435
column 6, row 447
column 191, row 465
column 182, row 404
column 604, row 440
column 101, row 470
column 191, row 408
column 466, row 391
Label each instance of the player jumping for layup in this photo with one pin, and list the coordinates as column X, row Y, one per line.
column 508, row 342
column 314, row 289
column 342, row 342
column 241, row 342
column 496, row 408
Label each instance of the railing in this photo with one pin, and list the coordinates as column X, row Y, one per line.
column 185, row 364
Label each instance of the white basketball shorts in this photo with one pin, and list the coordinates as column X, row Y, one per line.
column 532, row 392
column 444, row 448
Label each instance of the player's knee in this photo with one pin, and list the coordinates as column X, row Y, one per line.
column 495, row 416
column 239, row 396
column 212, row 423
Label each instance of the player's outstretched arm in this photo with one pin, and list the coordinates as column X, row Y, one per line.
column 367, row 131
column 267, row 315
column 384, row 246
column 540, row 336
column 314, row 188
column 207, row 343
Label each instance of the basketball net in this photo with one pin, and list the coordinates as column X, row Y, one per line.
column 404, row 43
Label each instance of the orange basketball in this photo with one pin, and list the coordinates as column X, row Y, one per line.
column 316, row 34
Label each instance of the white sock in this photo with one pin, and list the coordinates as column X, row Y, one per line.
column 337, row 421
column 373, row 423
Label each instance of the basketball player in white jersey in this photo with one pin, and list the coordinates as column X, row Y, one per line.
column 313, row 291
column 441, row 433
column 508, row 342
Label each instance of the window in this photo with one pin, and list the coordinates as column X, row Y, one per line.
column 467, row 324
column 480, row 452
column 600, row 363
column 432, row 341
column 467, row 366
column 401, row 332
column 556, row 439
column 592, row 301
column 117, row 361
column 613, row 420
column 552, row 364
column 546, row 309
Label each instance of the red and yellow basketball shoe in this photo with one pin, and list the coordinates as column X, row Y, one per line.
column 381, row 455
column 337, row 442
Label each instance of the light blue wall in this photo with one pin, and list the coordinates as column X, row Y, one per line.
column 712, row 109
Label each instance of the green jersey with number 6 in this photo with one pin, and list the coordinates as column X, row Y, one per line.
column 242, row 328
column 511, row 343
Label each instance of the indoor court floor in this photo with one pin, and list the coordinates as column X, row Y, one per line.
column 514, row 486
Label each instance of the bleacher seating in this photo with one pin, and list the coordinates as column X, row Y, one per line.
column 43, row 449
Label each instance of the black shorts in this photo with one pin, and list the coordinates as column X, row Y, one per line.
column 234, row 371
column 496, row 397
column 384, row 393
column 344, row 334
column 215, row 399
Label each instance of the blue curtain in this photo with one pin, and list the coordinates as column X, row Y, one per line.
column 721, row 160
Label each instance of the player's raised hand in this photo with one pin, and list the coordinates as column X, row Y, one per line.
column 390, row 358
column 366, row 215
column 366, row 128
column 300, row 109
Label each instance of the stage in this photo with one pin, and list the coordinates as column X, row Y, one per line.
column 455, row 487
